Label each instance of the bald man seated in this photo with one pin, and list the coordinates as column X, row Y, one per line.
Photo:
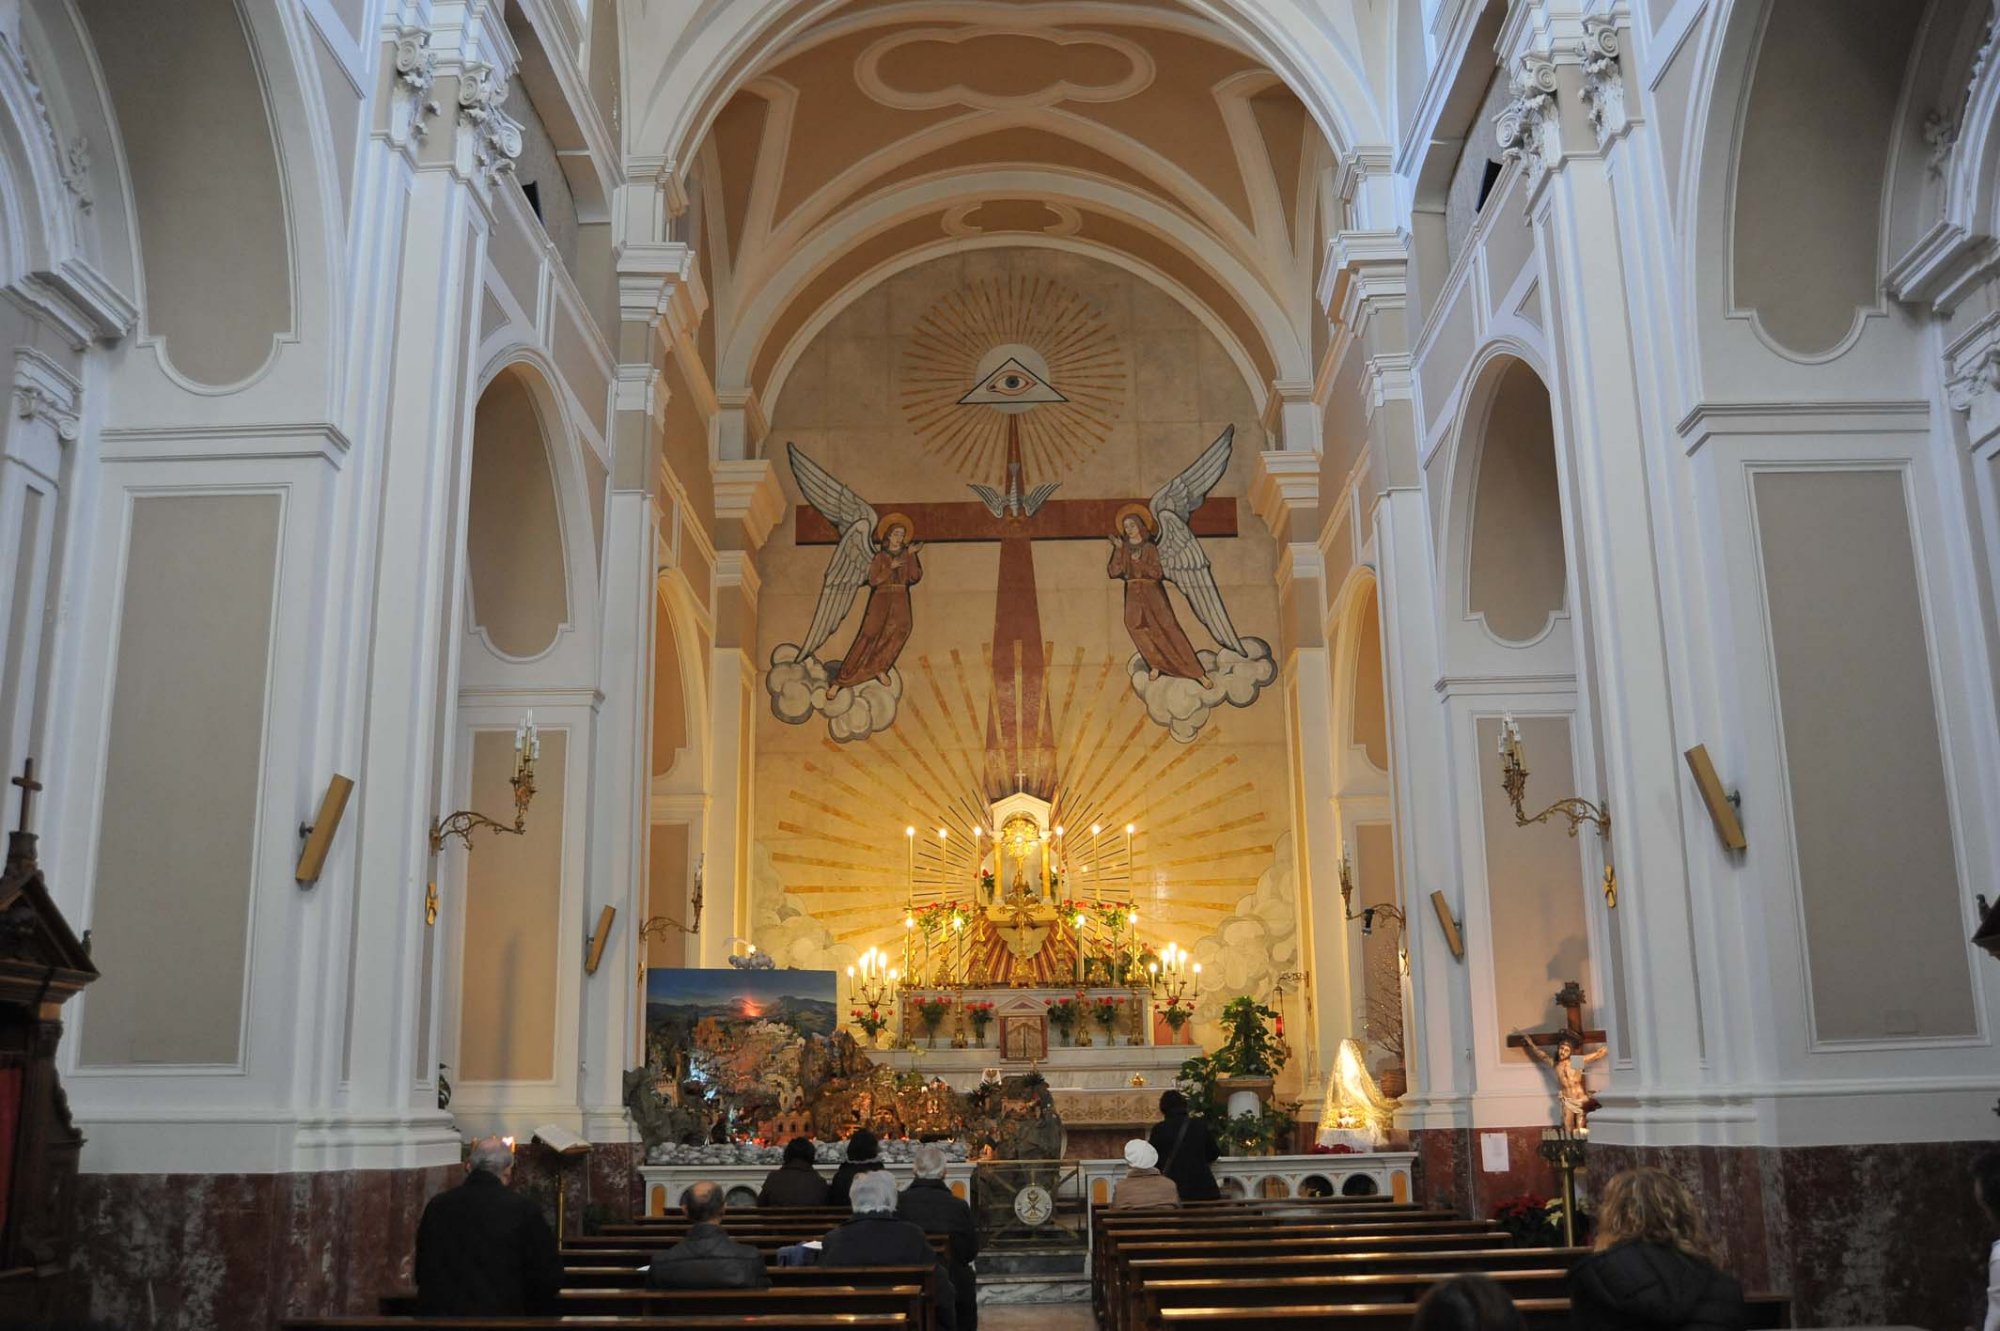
column 483, row 1250
column 707, row 1258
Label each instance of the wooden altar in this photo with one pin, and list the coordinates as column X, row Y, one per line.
column 42, row 965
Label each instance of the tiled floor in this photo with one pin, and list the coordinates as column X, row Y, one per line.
column 1038, row 1317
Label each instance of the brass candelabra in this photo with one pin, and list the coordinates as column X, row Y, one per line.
column 1514, row 780
column 527, row 748
column 1369, row 914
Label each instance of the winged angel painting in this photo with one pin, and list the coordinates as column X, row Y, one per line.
column 1154, row 545
column 858, row 693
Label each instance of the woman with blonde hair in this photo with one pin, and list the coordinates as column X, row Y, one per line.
column 1654, row 1268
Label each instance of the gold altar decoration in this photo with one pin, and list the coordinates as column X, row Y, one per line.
column 1021, row 903
column 1514, row 780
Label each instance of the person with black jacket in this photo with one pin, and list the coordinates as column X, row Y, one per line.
column 484, row 1251
column 1186, row 1150
column 795, row 1182
column 706, row 1257
column 1654, row 1268
column 928, row 1203
column 874, row 1236
column 863, row 1156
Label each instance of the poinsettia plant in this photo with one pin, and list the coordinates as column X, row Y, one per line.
column 1527, row 1218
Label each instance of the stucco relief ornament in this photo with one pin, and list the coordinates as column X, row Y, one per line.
column 416, row 71
column 1603, row 79
column 496, row 135
column 1526, row 129
column 33, row 402
column 1977, row 378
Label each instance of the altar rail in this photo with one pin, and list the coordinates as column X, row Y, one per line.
column 1384, row 1174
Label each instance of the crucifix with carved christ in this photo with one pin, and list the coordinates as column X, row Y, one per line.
column 1560, row 1051
column 1020, row 740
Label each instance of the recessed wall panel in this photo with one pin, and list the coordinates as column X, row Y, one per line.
column 1878, row 878
column 176, row 844
column 513, row 917
column 1534, row 883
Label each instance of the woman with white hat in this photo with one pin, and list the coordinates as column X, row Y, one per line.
column 1143, row 1185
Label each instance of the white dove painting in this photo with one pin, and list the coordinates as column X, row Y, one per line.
column 1154, row 546
column 857, row 693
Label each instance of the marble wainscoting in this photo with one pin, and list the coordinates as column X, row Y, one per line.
column 1450, row 1172
column 1882, row 1235
column 602, row 1186
column 191, row 1252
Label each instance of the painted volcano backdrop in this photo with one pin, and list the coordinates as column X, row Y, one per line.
column 679, row 999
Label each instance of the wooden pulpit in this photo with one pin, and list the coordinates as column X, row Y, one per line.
column 41, row 965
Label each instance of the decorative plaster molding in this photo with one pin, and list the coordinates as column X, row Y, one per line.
column 496, row 136
column 1941, row 133
column 1286, row 483
column 747, row 491
column 416, row 70
column 1526, row 129
column 72, row 158
column 1603, row 79
column 44, row 391
column 1972, row 379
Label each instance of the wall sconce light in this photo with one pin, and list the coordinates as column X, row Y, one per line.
column 1367, row 914
column 1453, row 939
column 1514, row 780
column 527, row 748
column 1722, row 803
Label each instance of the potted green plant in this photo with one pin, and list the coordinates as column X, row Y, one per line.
column 1251, row 1057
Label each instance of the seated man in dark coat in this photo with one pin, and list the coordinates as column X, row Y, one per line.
column 875, row 1237
column 863, row 1155
column 796, row 1182
column 928, row 1202
column 707, row 1258
column 483, row 1251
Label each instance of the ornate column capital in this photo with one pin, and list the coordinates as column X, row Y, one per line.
column 492, row 138
column 1972, row 380
column 44, row 391
column 1526, row 128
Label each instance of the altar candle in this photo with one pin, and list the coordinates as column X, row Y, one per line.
column 910, row 835
column 1129, row 829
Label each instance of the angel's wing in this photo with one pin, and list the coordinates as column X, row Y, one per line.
column 847, row 571
column 835, row 502
column 1181, row 556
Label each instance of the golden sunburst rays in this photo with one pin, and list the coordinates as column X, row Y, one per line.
column 1086, row 365
column 1203, row 830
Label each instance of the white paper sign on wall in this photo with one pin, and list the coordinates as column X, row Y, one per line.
column 1493, row 1152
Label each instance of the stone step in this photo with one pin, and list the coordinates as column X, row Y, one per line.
column 1037, row 1264
column 996, row 1290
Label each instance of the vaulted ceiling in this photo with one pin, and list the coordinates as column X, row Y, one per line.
column 888, row 132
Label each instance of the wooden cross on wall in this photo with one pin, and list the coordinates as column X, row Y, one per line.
column 1570, row 999
column 1019, row 732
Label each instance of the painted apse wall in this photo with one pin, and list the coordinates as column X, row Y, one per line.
column 873, row 399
